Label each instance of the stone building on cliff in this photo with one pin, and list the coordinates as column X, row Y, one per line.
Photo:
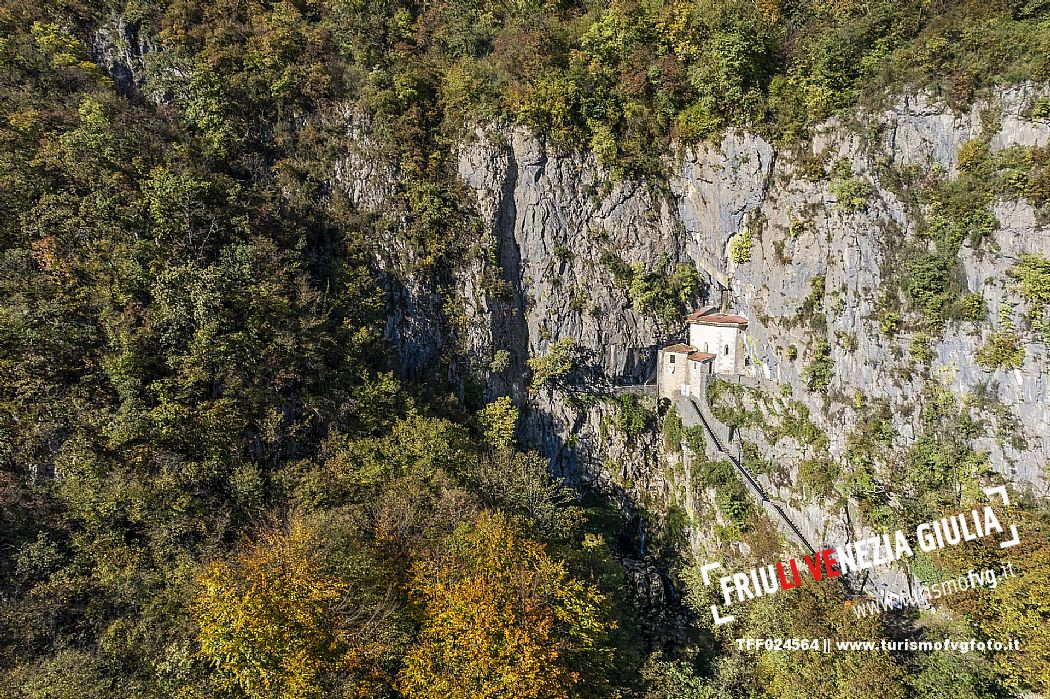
column 716, row 346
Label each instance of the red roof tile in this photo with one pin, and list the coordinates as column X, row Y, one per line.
column 680, row 348
column 701, row 356
column 706, row 317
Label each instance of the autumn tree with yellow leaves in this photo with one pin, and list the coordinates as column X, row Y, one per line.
column 502, row 618
column 273, row 622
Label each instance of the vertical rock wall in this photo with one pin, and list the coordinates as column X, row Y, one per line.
column 550, row 222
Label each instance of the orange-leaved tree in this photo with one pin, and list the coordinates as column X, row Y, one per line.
column 273, row 622
column 502, row 618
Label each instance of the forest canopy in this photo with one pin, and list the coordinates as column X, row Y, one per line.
column 215, row 478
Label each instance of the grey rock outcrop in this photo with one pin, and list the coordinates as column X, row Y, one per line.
column 121, row 51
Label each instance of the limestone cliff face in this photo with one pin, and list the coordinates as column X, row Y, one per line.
column 553, row 228
column 847, row 252
column 552, row 224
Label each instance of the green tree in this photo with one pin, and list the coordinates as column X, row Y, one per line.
column 498, row 421
column 1019, row 608
column 521, row 484
column 558, row 361
column 1003, row 350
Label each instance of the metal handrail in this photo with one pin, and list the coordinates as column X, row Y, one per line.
column 752, row 481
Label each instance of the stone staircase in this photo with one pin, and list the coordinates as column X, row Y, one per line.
column 696, row 411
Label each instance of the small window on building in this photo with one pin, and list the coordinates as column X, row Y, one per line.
column 670, row 359
column 727, row 351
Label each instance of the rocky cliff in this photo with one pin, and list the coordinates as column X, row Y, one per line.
column 564, row 252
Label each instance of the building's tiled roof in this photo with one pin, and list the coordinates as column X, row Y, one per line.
column 701, row 356
column 707, row 317
column 680, row 348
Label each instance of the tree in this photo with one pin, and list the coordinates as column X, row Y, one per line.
column 672, row 679
column 816, row 611
column 942, row 674
column 274, row 623
column 556, row 363
column 502, row 618
column 1004, row 350
column 819, row 372
column 498, row 421
column 928, row 285
column 1020, row 609
column 521, row 484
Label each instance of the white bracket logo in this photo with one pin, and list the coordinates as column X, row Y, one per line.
column 1000, row 490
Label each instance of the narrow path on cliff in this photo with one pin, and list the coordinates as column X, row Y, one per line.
column 697, row 412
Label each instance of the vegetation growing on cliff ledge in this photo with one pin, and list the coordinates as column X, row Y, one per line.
column 1032, row 277
column 556, row 363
